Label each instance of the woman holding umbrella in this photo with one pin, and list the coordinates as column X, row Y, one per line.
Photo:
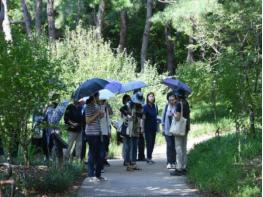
column 132, row 115
column 93, row 131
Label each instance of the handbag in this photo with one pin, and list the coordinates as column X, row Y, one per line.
column 178, row 127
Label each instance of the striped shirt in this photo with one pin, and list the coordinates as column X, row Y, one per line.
column 92, row 128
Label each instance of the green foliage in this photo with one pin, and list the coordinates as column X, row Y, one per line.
column 83, row 56
column 184, row 14
column 200, row 78
column 224, row 174
column 54, row 180
column 27, row 76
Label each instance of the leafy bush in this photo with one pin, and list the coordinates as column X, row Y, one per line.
column 27, row 76
column 217, row 166
column 54, row 180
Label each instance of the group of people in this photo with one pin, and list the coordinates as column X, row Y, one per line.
column 89, row 122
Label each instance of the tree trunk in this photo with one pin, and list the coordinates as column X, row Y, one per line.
column 170, row 50
column 190, row 53
column 99, row 18
column 27, row 18
column 2, row 13
column 6, row 22
column 38, row 16
column 202, row 53
column 51, row 20
column 78, row 11
column 146, row 33
column 123, row 30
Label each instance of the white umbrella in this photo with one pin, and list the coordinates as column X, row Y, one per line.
column 105, row 94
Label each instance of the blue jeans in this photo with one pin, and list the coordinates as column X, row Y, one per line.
column 170, row 149
column 150, row 141
column 95, row 146
column 131, row 144
column 91, row 168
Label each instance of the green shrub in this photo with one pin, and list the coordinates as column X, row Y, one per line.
column 54, row 180
column 216, row 165
column 249, row 191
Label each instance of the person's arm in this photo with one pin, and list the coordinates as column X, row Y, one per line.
column 177, row 114
column 143, row 119
column 163, row 117
column 110, row 109
column 92, row 118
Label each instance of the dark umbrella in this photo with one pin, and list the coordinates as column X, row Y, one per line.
column 90, row 87
column 176, row 84
column 132, row 85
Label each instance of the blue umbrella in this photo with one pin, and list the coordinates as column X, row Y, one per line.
column 114, row 86
column 90, row 87
column 176, row 84
column 132, row 85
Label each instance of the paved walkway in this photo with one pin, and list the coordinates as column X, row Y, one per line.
column 152, row 180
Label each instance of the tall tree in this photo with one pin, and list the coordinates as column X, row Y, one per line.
column 78, row 10
column 2, row 13
column 99, row 18
column 6, row 22
column 38, row 16
column 190, row 52
column 51, row 20
column 27, row 18
column 170, row 49
column 146, row 33
column 123, row 30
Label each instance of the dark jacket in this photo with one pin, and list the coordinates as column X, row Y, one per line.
column 73, row 113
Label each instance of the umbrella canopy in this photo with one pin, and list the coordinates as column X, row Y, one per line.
column 58, row 112
column 132, row 85
column 114, row 86
column 90, row 87
column 176, row 84
column 105, row 94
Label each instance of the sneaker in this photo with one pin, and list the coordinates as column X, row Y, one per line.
column 150, row 162
column 130, row 168
column 107, row 164
column 176, row 173
column 135, row 167
column 169, row 166
column 141, row 159
column 173, row 166
column 100, row 178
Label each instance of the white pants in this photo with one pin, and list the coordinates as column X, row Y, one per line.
column 181, row 152
column 74, row 137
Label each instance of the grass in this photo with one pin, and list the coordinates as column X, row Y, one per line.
column 217, row 167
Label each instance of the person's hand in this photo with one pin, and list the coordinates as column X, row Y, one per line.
column 100, row 113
